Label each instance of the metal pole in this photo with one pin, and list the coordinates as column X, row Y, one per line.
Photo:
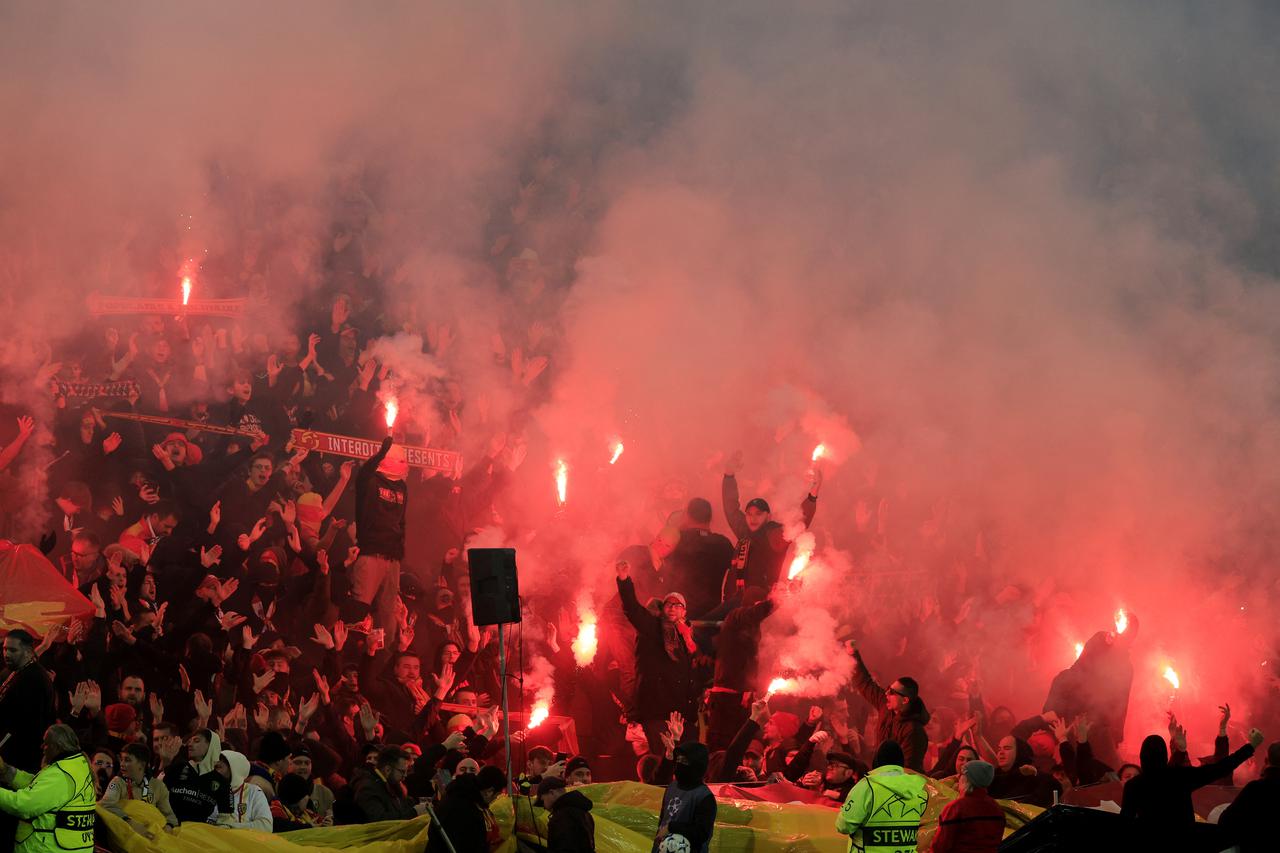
column 506, row 719
column 435, row 820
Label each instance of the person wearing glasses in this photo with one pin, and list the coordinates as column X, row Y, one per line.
column 664, row 660
column 902, row 713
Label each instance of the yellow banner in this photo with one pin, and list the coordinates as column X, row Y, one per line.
column 625, row 813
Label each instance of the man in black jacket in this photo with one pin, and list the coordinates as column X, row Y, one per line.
column 762, row 547
column 1249, row 821
column 380, row 795
column 26, row 702
column 902, row 713
column 381, row 501
column 664, row 660
column 570, row 829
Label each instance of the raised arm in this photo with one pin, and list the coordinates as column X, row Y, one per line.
column 872, row 692
column 731, row 499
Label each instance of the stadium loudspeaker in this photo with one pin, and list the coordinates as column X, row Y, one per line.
column 495, row 590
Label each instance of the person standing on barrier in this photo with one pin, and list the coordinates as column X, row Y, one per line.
column 381, row 498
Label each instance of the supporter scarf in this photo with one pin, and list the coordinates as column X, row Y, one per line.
column 125, row 388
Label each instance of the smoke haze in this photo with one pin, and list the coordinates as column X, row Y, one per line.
column 1011, row 263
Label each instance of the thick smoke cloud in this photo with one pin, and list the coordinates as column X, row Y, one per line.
column 1009, row 262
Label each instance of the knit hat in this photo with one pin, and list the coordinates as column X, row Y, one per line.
column 675, row 596
column 273, row 748
column 979, row 773
column 549, row 784
column 890, row 752
column 842, row 758
column 575, row 763
column 293, row 788
column 120, row 716
column 193, row 450
column 786, row 723
column 759, row 503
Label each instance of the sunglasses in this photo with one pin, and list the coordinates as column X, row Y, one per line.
column 897, row 693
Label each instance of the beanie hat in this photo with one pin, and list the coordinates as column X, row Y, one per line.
column 120, row 716
column 758, row 503
column 979, row 773
column 273, row 748
column 193, row 450
column 549, row 784
column 293, row 788
column 675, row 596
column 842, row 758
column 889, row 753
column 575, row 763
column 786, row 723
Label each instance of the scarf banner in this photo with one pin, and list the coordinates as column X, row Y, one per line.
column 123, row 388
column 176, row 423
column 446, row 461
column 99, row 305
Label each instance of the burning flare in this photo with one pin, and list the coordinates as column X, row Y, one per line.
column 562, row 481
column 584, row 646
column 539, row 715
column 186, row 290
column 1079, row 650
column 780, row 685
column 617, row 451
column 804, row 551
column 392, row 410
column 819, row 452
column 1122, row 621
column 1172, row 677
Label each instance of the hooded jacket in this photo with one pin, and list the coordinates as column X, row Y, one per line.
column 688, row 806
column 571, row 829
column 462, row 817
column 249, row 806
column 196, row 791
column 883, row 811
column 906, row 727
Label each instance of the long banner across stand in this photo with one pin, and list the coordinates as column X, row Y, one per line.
column 100, row 305
column 429, row 458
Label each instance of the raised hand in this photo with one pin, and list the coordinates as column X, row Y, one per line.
column 308, row 708
column 368, row 720
column 760, row 711
column 93, row 698
column 675, row 725
column 815, row 714
column 210, row 557
column 322, row 686
column 322, row 636
column 215, row 515
column 821, row 740
column 261, row 714
column 231, row 619
column 1225, row 712
column 339, row 634
column 78, row 697
column 111, row 444
column 204, row 708
column 263, row 680
column 444, row 681
column 455, row 740
column 1255, row 738
column 246, row 634
column 734, row 464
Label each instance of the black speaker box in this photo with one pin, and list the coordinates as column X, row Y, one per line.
column 495, row 591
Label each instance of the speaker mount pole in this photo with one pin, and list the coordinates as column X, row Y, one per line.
column 506, row 719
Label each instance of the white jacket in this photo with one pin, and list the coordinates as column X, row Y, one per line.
column 249, row 806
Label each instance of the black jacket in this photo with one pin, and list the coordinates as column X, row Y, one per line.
column 1159, row 799
column 377, row 800
column 380, row 509
column 905, row 727
column 663, row 685
column 571, row 828
column 27, row 708
column 1248, row 821
column 461, row 815
column 760, row 553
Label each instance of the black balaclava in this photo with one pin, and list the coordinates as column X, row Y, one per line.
column 690, row 775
